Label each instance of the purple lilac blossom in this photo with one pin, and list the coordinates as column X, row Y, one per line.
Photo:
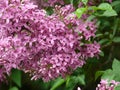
column 44, row 46
column 105, row 85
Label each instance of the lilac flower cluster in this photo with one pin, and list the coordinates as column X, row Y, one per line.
column 105, row 85
column 44, row 46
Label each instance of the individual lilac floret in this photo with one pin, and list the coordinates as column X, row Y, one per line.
column 105, row 85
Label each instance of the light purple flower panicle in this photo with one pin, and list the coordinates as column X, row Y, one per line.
column 44, row 46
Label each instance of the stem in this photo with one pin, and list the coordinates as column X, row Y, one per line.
column 10, row 83
column 115, row 26
column 110, row 54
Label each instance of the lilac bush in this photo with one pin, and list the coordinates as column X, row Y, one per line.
column 65, row 44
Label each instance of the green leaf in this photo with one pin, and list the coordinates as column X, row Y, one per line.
column 99, row 35
column 57, row 83
column 105, row 6
column 116, row 65
column 116, row 69
column 67, row 80
column 109, row 13
column 16, row 77
column 103, row 41
column 81, row 79
column 98, row 74
column 108, row 10
column 108, row 74
column 101, row 53
column 116, row 39
column 94, row 8
column 79, row 12
column 115, row 3
column 14, row 88
column 85, row 1
column 72, row 82
column 113, row 74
